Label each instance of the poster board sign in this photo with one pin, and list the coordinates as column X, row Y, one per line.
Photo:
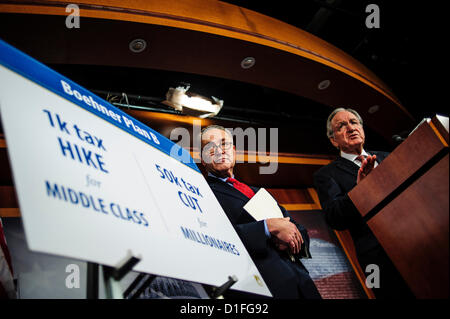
column 94, row 183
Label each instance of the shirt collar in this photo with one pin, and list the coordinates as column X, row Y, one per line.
column 352, row 157
column 223, row 179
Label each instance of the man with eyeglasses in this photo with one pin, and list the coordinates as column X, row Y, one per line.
column 267, row 241
column 334, row 181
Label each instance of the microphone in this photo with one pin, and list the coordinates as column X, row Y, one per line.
column 398, row 138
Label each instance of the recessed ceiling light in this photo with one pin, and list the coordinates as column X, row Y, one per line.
column 248, row 62
column 373, row 109
column 324, row 84
column 137, row 45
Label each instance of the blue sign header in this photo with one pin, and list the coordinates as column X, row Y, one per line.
column 42, row 75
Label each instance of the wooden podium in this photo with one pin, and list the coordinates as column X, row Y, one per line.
column 405, row 203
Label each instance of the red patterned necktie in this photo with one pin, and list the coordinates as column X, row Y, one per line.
column 243, row 188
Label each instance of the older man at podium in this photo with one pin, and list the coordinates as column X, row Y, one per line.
column 267, row 241
column 334, row 181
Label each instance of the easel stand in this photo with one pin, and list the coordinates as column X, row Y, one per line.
column 112, row 277
column 217, row 292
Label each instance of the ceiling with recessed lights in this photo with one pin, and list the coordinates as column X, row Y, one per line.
column 265, row 78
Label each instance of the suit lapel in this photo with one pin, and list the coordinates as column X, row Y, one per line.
column 222, row 187
column 380, row 156
column 352, row 168
column 347, row 166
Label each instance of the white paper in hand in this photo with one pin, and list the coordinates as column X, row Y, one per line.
column 263, row 206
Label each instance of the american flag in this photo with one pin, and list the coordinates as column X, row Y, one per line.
column 7, row 288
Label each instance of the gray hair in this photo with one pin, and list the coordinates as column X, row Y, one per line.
column 330, row 132
column 204, row 130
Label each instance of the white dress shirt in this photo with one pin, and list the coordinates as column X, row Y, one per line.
column 352, row 157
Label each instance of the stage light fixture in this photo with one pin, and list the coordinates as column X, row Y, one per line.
column 192, row 104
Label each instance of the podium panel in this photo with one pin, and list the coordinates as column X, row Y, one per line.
column 413, row 230
column 405, row 203
column 407, row 159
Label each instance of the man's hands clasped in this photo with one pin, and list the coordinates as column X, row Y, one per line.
column 285, row 233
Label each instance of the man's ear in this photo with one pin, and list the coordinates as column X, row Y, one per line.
column 234, row 154
column 201, row 157
column 202, row 145
column 335, row 144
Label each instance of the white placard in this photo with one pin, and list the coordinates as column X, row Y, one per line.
column 94, row 184
column 263, row 206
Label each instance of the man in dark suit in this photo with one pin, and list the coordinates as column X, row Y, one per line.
column 276, row 244
column 334, row 181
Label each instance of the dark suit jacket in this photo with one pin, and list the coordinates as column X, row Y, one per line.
column 284, row 278
column 332, row 183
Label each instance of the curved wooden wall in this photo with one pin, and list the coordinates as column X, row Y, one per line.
column 288, row 58
column 217, row 18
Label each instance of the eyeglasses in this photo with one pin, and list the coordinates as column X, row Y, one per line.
column 212, row 147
